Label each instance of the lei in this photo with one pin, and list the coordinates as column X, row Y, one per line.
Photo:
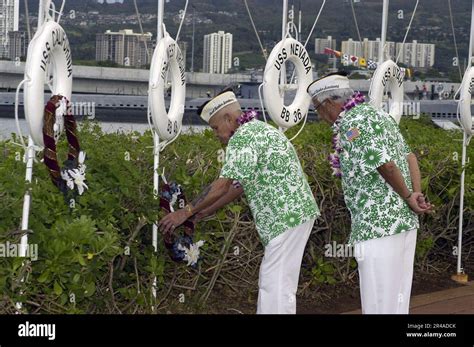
column 57, row 114
column 334, row 158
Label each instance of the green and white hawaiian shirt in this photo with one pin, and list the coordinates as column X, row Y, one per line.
column 265, row 163
column 370, row 138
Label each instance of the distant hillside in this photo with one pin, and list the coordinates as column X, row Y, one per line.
column 431, row 24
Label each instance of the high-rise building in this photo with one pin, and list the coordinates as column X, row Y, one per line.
column 18, row 45
column 352, row 47
column 124, row 47
column 9, row 18
column 217, row 52
column 368, row 49
column 320, row 44
column 414, row 54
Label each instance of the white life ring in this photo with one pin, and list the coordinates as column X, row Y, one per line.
column 388, row 75
column 284, row 116
column 467, row 86
column 50, row 45
column 167, row 58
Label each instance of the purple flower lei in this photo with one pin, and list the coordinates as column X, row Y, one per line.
column 247, row 117
column 356, row 99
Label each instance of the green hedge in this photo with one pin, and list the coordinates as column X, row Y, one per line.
column 82, row 268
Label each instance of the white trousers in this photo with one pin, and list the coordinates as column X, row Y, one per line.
column 280, row 270
column 386, row 272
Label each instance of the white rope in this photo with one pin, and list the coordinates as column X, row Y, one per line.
column 17, row 121
column 61, row 11
column 310, row 33
column 261, row 101
column 458, row 113
column 182, row 20
column 165, row 144
column 314, row 24
column 408, row 30
column 454, row 38
column 141, row 29
column 302, row 127
column 265, row 55
column 148, row 114
column 51, row 9
column 291, row 26
column 355, row 21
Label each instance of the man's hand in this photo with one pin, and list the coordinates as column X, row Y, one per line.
column 418, row 203
column 199, row 216
column 172, row 220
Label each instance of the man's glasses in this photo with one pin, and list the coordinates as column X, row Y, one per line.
column 316, row 108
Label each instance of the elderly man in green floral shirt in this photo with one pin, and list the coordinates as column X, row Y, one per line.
column 382, row 190
column 261, row 162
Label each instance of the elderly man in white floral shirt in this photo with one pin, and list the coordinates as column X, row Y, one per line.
column 265, row 165
column 382, row 190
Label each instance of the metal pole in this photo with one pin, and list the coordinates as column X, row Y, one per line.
column 461, row 203
column 30, row 155
column 159, row 31
column 16, row 14
column 41, row 13
column 156, row 163
column 383, row 37
column 283, row 67
column 293, row 18
column 299, row 23
column 156, row 145
column 471, row 40
column 192, row 43
column 283, row 35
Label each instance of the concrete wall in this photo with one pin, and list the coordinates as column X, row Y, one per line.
column 107, row 80
column 122, row 81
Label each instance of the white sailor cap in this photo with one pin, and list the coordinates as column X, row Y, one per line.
column 216, row 104
column 329, row 82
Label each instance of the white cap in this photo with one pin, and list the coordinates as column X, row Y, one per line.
column 331, row 82
column 216, row 104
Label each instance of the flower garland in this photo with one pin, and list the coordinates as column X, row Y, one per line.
column 58, row 114
column 334, row 159
column 247, row 117
column 181, row 247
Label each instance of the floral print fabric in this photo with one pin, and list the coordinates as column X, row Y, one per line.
column 369, row 139
column 265, row 162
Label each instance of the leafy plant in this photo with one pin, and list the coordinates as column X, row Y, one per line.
column 95, row 253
